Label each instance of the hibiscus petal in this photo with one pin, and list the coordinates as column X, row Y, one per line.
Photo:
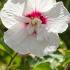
column 38, row 5
column 9, row 19
column 58, row 17
column 52, row 43
column 14, row 6
column 10, row 11
column 40, row 32
column 21, row 42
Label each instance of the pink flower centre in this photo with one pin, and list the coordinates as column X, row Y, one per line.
column 37, row 19
column 37, row 15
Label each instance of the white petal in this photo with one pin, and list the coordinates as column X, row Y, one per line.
column 40, row 36
column 57, row 25
column 9, row 19
column 40, row 32
column 18, row 39
column 58, row 17
column 38, row 5
column 14, row 6
column 11, row 9
column 52, row 43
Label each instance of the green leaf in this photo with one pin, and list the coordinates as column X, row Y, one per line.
column 42, row 66
column 2, row 47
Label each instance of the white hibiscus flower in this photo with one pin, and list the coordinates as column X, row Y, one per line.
column 33, row 25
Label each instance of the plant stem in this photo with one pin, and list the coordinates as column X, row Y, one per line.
column 12, row 59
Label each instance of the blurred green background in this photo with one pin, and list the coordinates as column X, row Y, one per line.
column 9, row 60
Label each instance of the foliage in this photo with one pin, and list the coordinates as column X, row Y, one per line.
column 60, row 60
